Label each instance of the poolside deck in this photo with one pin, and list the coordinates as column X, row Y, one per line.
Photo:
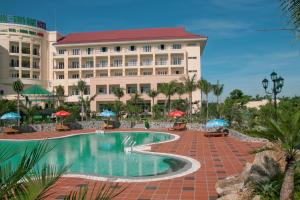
column 219, row 157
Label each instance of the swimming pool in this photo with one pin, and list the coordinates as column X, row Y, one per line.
column 104, row 155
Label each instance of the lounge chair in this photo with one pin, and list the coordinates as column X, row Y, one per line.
column 217, row 133
column 178, row 127
column 9, row 130
column 108, row 126
column 61, row 127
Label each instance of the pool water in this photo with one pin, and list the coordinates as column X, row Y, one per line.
column 104, row 155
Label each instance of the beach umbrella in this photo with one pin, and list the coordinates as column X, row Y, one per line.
column 10, row 116
column 176, row 113
column 107, row 113
column 62, row 113
column 214, row 123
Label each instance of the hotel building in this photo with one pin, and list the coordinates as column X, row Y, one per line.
column 135, row 60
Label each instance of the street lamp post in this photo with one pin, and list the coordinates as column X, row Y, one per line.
column 277, row 87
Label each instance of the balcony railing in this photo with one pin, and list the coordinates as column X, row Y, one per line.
column 177, row 62
column 146, row 63
column 36, row 67
column 26, row 64
column 116, row 65
column 102, row 64
column 161, row 62
column 134, row 63
column 87, row 65
column 73, row 66
column 14, row 64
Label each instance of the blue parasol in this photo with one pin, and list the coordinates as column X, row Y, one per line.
column 217, row 123
column 10, row 116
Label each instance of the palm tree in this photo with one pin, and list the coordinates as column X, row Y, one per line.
column 292, row 8
column 81, row 86
column 118, row 92
column 87, row 102
column 18, row 87
column 200, row 84
column 168, row 89
column 28, row 181
column 284, row 132
column 60, row 92
column 134, row 103
column 206, row 88
column 190, row 86
column 152, row 94
column 218, row 90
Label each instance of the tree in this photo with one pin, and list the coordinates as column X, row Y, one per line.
column 87, row 102
column 292, row 9
column 81, row 86
column 284, row 132
column 218, row 90
column 152, row 94
column 18, row 87
column 206, row 88
column 190, row 86
column 118, row 92
column 168, row 89
column 60, row 92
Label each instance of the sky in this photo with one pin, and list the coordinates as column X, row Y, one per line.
column 243, row 44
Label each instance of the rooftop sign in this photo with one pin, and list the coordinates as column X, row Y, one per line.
column 22, row 20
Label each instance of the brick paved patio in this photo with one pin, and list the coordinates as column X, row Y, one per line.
column 219, row 157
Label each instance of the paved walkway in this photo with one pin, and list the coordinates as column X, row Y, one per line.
column 219, row 157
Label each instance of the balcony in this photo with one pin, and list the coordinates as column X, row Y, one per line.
column 116, row 64
column 36, row 67
column 26, row 64
column 146, row 63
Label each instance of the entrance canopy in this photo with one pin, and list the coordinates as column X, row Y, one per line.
column 36, row 90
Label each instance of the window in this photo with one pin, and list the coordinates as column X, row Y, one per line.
column 191, row 71
column 35, row 51
column 118, row 49
column 111, row 88
column 102, row 63
column 147, row 48
column 88, row 64
column 161, row 47
column 25, row 75
column 25, row 63
column 61, row 76
column 131, row 89
column 75, row 76
column 74, row 64
column 89, row 51
column 164, row 72
column 15, row 75
column 147, row 73
column 132, row 73
column 14, row 48
column 132, row 48
column 192, row 44
column 132, row 62
column 177, row 72
column 102, row 89
column 176, row 46
column 61, row 51
column 34, row 76
column 192, row 57
column 103, row 49
column 1, row 92
column 14, row 63
column 145, row 88
column 61, row 65
column 89, row 75
column 147, row 62
column 35, row 64
column 103, row 74
column 176, row 61
column 75, row 51
column 118, row 73
column 117, row 63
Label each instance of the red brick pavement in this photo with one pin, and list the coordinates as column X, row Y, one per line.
column 219, row 157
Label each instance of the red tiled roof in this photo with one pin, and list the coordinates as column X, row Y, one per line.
column 128, row 35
